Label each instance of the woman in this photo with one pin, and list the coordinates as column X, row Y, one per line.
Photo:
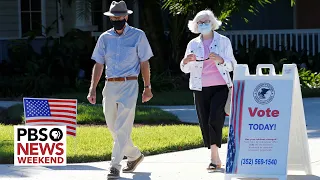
column 209, row 59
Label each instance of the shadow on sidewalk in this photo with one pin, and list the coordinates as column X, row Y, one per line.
column 24, row 171
column 313, row 133
column 13, row 171
column 289, row 177
column 303, row 177
column 221, row 170
column 139, row 176
column 75, row 167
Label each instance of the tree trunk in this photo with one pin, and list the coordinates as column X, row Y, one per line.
column 151, row 24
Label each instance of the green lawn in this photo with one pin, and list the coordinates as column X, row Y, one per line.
column 88, row 114
column 164, row 98
column 94, row 143
column 93, row 114
column 159, row 98
column 167, row 98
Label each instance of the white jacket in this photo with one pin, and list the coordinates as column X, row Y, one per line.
column 220, row 45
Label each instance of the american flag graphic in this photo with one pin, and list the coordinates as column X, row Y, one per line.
column 235, row 124
column 231, row 151
column 51, row 112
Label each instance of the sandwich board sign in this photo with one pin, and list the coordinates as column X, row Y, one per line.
column 267, row 129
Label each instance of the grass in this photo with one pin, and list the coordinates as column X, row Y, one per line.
column 88, row 114
column 94, row 143
column 159, row 98
column 93, row 114
column 12, row 115
column 184, row 97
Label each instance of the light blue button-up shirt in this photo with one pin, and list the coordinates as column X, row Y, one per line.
column 122, row 54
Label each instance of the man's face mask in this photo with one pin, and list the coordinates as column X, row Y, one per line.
column 118, row 25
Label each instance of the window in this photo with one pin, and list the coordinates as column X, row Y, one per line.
column 97, row 14
column 31, row 16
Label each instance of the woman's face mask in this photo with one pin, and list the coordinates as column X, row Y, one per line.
column 204, row 28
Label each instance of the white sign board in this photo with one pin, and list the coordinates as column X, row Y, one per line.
column 267, row 125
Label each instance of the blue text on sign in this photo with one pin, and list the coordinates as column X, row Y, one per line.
column 262, row 127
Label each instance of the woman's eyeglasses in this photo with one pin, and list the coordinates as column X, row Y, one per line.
column 199, row 60
column 203, row 22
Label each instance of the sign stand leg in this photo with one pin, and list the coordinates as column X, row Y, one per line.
column 298, row 141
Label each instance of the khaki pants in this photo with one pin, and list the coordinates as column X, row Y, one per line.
column 119, row 104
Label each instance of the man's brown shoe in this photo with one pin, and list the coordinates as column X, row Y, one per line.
column 114, row 173
column 132, row 165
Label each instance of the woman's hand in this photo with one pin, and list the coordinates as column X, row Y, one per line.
column 189, row 58
column 216, row 57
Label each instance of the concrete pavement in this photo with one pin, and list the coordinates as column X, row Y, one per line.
column 185, row 165
column 186, row 114
column 6, row 104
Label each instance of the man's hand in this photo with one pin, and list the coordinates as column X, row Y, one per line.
column 216, row 57
column 146, row 95
column 145, row 70
column 96, row 75
column 92, row 96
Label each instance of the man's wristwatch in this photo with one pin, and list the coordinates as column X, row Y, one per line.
column 149, row 86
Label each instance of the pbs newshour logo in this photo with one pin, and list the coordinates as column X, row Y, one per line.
column 40, row 145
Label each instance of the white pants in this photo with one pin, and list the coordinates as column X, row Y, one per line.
column 119, row 104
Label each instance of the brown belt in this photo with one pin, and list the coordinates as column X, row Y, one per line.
column 122, row 78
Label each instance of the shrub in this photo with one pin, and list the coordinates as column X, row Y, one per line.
column 93, row 114
column 262, row 55
column 166, row 81
column 309, row 79
column 13, row 115
column 54, row 69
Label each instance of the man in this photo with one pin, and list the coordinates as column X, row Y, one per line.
column 124, row 50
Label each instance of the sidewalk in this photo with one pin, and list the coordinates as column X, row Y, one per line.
column 6, row 104
column 184, row 165
column 186, row 114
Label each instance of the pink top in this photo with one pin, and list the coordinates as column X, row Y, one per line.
column 210, row 73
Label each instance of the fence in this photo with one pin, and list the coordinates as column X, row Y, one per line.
column 298, row 39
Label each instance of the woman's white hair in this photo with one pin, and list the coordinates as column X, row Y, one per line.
column 193, row 24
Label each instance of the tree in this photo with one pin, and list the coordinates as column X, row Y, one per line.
column 221, row 8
